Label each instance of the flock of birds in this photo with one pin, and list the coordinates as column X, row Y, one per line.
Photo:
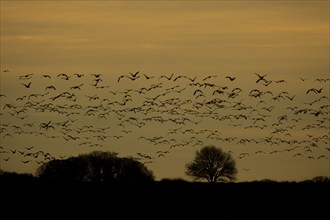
column 157, row 115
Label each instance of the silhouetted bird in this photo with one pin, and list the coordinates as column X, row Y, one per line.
column 27, row 85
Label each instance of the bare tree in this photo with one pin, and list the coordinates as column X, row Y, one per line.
column 212, row 164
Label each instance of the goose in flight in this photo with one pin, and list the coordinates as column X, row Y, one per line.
column 148, row 77
column 135, row 74
column 27, row 85
column 78, row 75
column 261, row 77
column 166, row 77
column 230, row 78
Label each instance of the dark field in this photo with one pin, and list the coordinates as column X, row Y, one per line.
column 164, row 199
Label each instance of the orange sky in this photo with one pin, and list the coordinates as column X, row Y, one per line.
column 185, row 36
column 285, row 40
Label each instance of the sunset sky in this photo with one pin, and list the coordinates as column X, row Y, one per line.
column 285, row 40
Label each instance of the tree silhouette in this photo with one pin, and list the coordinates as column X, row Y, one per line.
column 131, row 170
column 73, row 169
column 96, row 166
column 212, row 164
column 101, row 166
column 321, row 179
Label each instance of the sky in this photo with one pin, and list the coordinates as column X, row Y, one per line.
column 276, row 128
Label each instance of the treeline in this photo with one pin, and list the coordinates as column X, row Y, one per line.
column 19, row 178
column 27, row 195
column 94, row 167
column 103, row 185
column 168, row 198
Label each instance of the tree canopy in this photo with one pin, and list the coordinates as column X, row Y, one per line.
column 96, row 166
column 212, row 164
